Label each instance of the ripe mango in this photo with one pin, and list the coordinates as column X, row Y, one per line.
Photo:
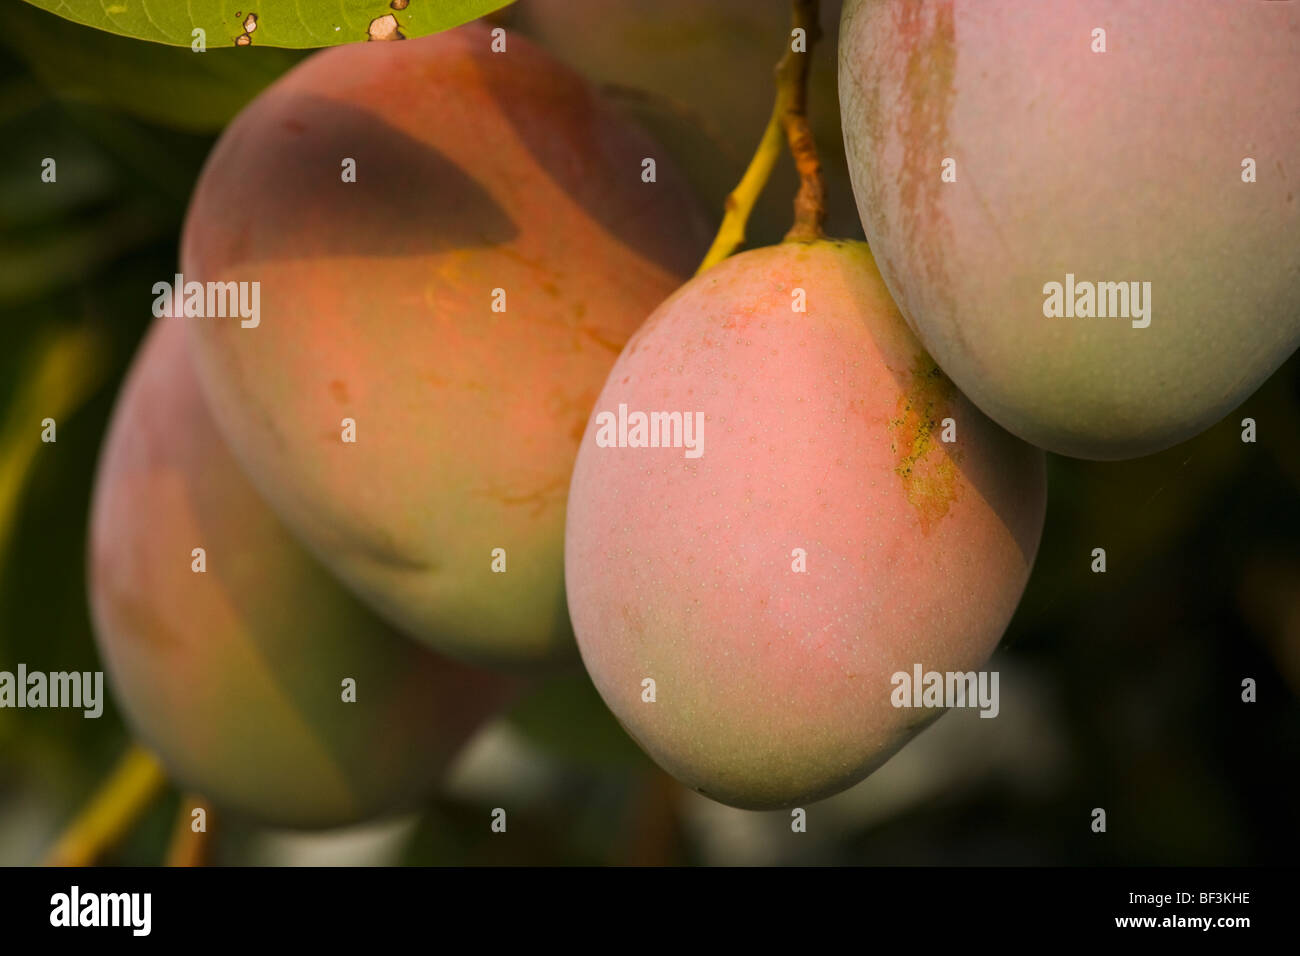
column 459, row 303
column 1121, row 149
column 826, row 536
column 231, row 663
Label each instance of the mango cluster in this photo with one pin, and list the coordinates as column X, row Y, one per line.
column 486, row 424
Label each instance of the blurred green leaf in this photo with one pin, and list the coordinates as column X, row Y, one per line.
column 86, row 176
column 160, row 84
column 155, row 162
column 65, row 368
column 37, row 263
column 63, row 373
column 19, row 96
column 77, row 258
column 278, row 23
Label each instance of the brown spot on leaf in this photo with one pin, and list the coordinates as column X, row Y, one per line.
column 385, row 28
column 399, row 4
column 927, row 470
column 250, row 24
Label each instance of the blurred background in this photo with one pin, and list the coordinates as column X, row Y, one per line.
column 1120, row 690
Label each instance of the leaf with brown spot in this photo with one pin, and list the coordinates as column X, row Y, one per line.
column 300, row 24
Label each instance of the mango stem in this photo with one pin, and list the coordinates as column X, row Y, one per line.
column 788, row 123
column 792, row 76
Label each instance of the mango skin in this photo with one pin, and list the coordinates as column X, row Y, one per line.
column 822, row 431
column 233, row 676
column 476, row 171
column 1122, row 166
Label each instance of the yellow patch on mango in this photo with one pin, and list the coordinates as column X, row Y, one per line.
column 928, row 471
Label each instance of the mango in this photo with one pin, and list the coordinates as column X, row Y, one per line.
column 826, row 511
column 431, row 336
column 228, row 647
column 1087, row 211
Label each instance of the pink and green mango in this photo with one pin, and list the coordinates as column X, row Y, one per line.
column 1088, row 211
column 838, row 513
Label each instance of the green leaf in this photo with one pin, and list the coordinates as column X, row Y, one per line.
column 158, row 84
column 300, row 24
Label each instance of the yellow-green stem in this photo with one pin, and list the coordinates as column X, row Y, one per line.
column 787, row 124
column 133, row 785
